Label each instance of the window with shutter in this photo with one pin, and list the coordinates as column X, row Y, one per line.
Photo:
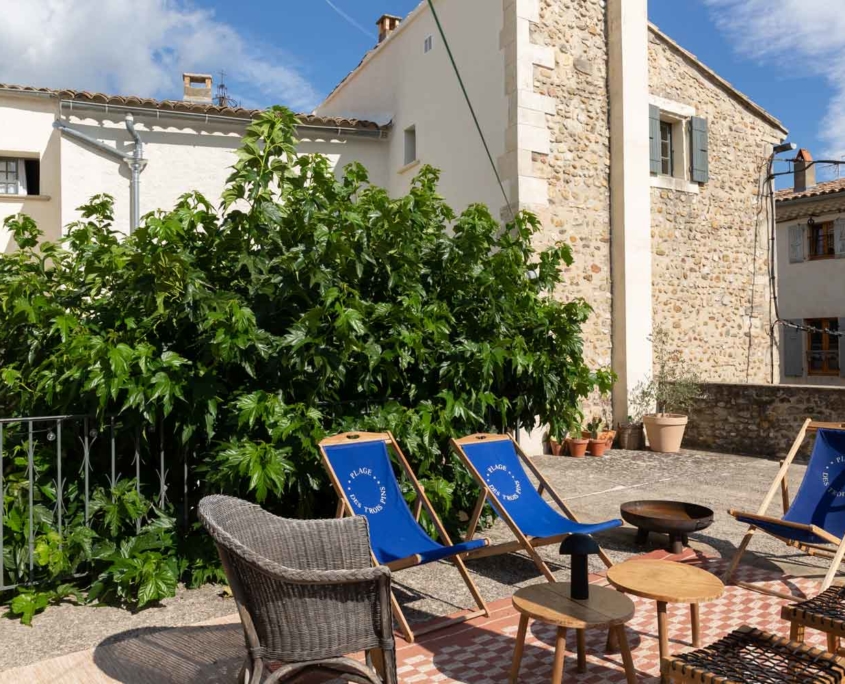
column 654, row 138
column 796, row 244
column 823, row 346
column 793, row 352
column 700, row 149
column 839, row 237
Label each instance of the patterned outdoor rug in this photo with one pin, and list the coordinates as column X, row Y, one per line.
column 480, row 652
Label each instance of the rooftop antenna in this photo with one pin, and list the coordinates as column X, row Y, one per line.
column 222, row 98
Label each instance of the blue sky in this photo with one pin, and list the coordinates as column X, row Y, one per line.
column 787, row 55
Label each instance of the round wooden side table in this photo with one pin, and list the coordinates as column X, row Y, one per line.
column 551, row 603
column 667, row 582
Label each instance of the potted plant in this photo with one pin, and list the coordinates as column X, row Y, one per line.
column 673, row 391
column 577, row 445
column 555, row 446
column 597, row 445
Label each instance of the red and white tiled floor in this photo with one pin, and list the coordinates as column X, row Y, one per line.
column 477, row 652
column 480, row 652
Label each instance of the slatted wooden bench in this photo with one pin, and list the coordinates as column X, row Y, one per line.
column 752, row 656
column 825, row 612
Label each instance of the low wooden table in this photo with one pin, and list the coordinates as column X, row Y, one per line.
column 551, row 603
column 667, row 582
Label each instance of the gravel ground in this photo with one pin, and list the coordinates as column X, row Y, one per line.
column 594, row 489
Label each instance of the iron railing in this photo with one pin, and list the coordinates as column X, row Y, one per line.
column 49, row 456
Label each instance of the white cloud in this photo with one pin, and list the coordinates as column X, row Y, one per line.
column 139, row 47
column 801, row 36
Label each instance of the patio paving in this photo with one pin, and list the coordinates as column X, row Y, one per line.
column 202, row 650
column 478, row 652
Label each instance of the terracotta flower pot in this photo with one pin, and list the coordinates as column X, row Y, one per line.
column 556, row 447
column 598, row 447
column 578, row 447
column 665, row 431
column 608, row 436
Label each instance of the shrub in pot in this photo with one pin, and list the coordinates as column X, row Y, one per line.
column 598, row 443
column 672, row 390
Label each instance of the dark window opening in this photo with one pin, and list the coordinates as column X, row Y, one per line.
column 667, row 166
column 821, row 236
column 32, row 169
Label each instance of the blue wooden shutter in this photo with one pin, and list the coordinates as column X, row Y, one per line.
column 700, row 145
column 842, row 348
column 793, row 351
column 654, row 138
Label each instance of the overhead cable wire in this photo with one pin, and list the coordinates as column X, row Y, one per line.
column 471, row 108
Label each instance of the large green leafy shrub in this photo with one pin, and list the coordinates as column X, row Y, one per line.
column 304, row 306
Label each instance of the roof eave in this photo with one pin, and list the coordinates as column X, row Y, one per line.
column 746, row 101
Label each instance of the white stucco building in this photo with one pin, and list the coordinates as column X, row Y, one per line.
column 47, row 170
column 811, row 276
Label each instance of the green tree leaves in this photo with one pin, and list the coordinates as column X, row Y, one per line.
column 304, row 305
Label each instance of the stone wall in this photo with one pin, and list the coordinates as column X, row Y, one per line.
column 578, row 165
column 759, row 419
column 710, row 266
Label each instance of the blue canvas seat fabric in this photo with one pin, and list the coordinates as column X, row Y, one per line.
column 366, row 475
column 820, row 500
column 499, row 464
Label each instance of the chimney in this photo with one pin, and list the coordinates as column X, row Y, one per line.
column 197, row 88
column 387, row 25
column 805, row 171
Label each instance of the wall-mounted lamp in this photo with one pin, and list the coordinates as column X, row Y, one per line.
column 784, row 147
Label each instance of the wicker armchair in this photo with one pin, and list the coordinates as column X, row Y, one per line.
column 306, row 591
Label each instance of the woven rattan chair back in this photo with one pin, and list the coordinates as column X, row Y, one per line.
column 306, row 591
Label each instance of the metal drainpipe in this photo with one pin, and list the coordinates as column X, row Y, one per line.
column 136, row 164
column 134, row 161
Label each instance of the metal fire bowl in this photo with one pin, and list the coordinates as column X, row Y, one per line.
column 675, row 518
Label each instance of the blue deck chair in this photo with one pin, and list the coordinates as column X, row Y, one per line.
column 361, row 471
column 496, row 463
column 815, row 521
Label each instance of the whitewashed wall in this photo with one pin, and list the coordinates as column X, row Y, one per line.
column 812, row 288
column 808, row 289
column 26, row 129
column 182, row 155
column 402, row 83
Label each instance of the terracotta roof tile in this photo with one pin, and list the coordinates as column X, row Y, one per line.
column 182, row 106
column 826, row 188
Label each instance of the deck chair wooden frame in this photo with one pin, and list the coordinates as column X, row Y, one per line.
column 780, row 484
column 344, row 508
column 522, row 542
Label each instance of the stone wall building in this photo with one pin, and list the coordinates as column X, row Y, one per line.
column 650, row 165
column 647, row 163
column 710, row 278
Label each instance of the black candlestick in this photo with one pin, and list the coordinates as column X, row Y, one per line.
column 579, row 547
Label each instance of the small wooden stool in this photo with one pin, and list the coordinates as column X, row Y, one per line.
column 667, row 582
column 825, row 612
column 551, row 603
column 751, row 655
